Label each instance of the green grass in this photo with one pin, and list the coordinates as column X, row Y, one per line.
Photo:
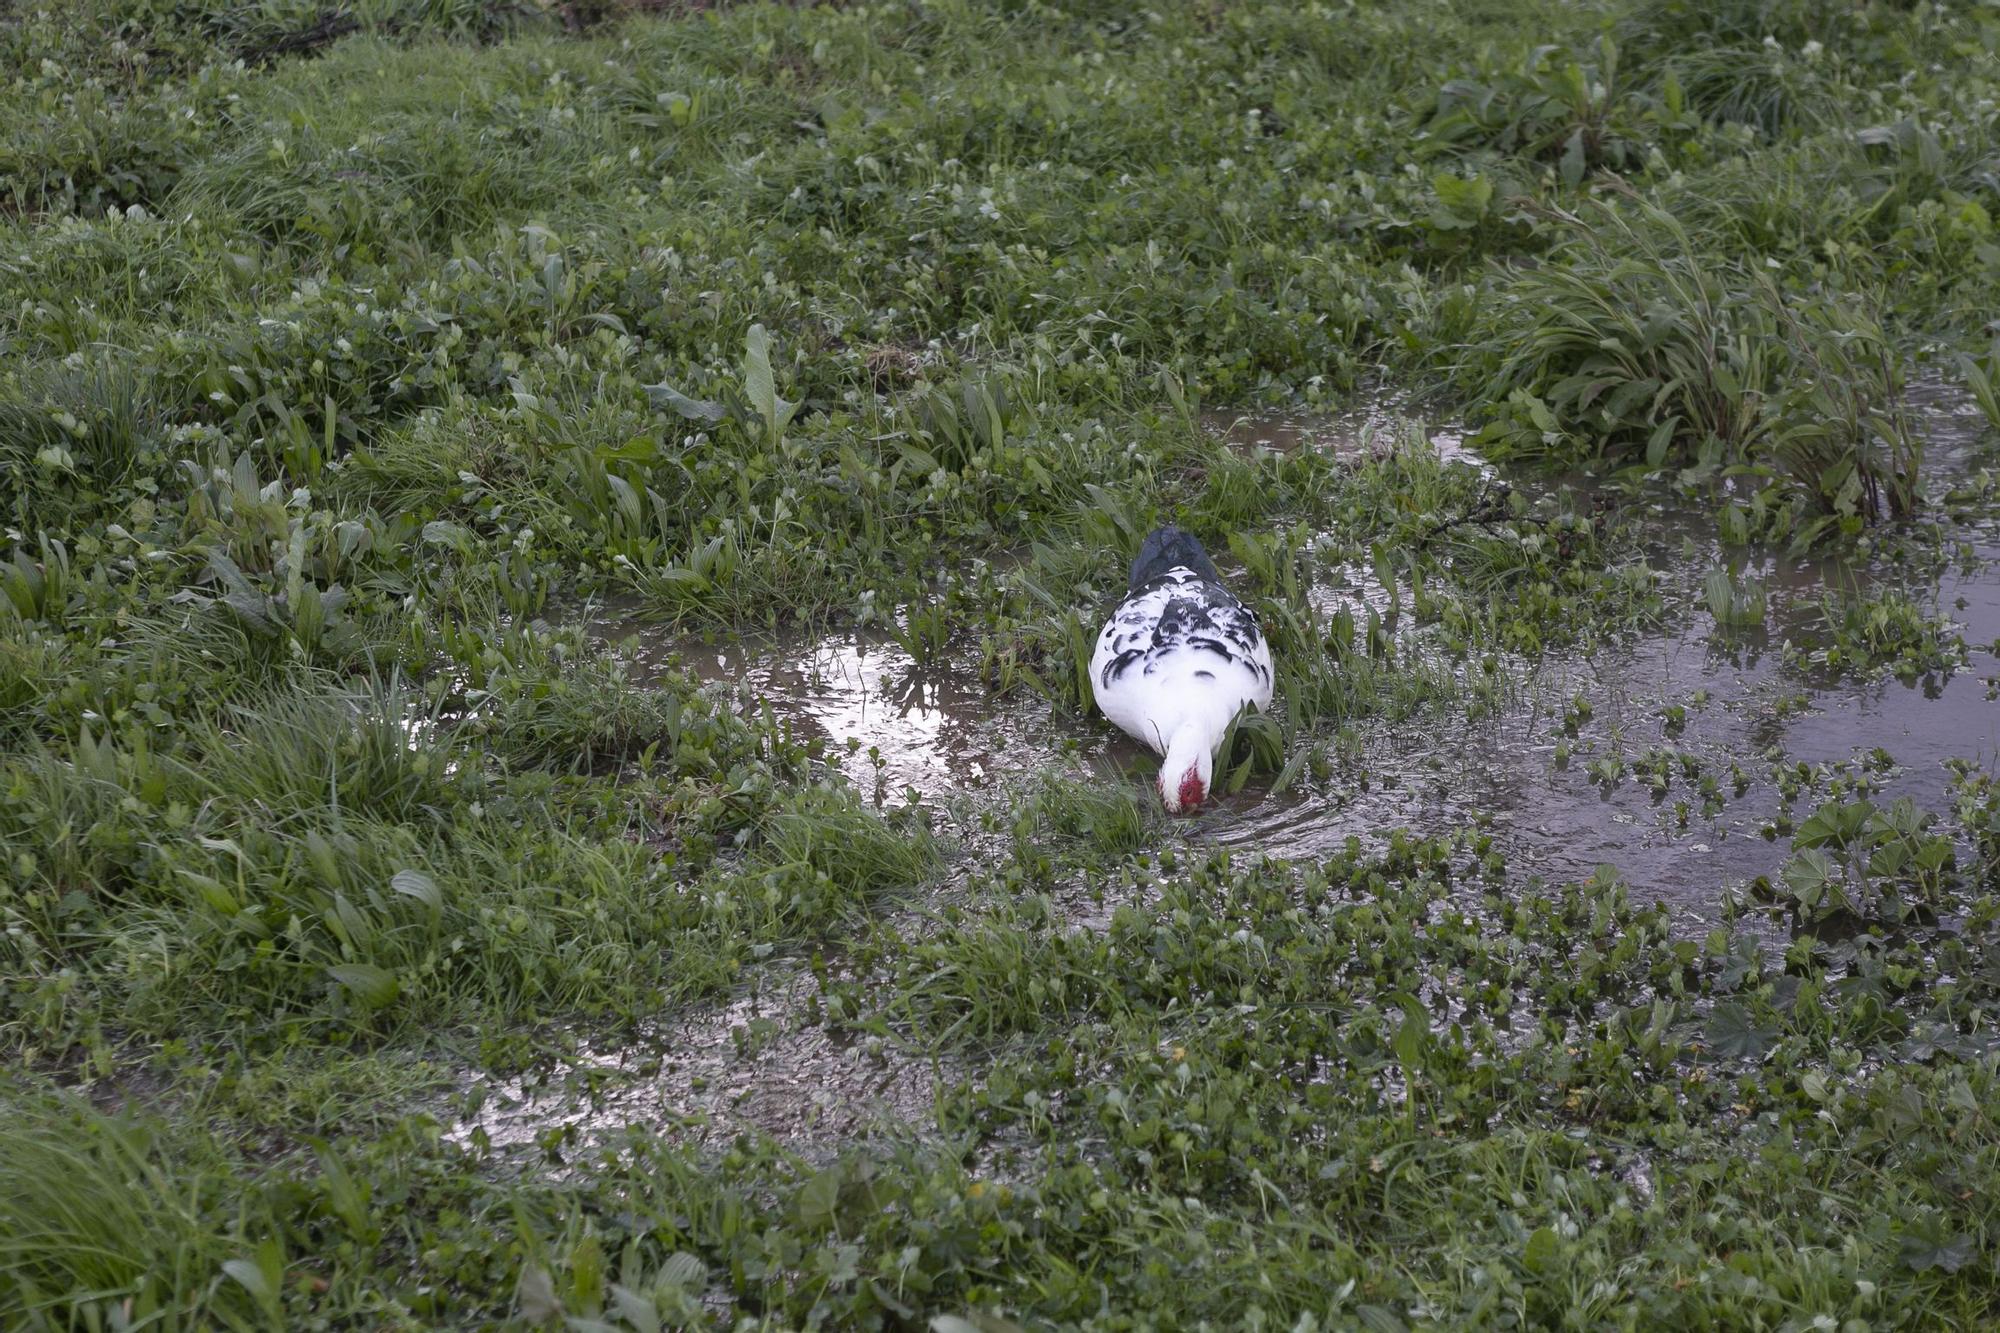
column 1643, row 348
column 349, row 353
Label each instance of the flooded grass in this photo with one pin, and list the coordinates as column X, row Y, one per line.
column 1377, row 427
column 886, row 722
column 547, row 767
column 763, row 1065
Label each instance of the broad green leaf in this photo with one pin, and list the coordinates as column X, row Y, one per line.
column 1937, row 1250
column 1660, row 441
column 818, row 1198
column 1982, row 387
column 438, row 532
column 1572, row 165
column 250, row 1277
column 684, row 1270
column 587, row 1274
column 761, row 385
column 372, row 986
column 213, row 892
column 1734, row 1035
column 974, row 1321
column 665, row 397
column 1809, row 875
column 1411, row 1039
column 416, row 884
column 1380, row 1319
column 1466, row 198
column 1720, row 594
column 640, row 1311
column 1543, row 1251
column 537, row 1295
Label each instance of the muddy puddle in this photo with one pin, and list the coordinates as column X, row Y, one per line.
column 761, row 1064
column 1374, row 428
column 764, row 1063
column 889, row 724
column 1560, row 820
column 897, row 727
column 894, row 726
column 1743, row 699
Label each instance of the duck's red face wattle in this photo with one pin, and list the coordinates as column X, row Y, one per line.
column 1191, row 789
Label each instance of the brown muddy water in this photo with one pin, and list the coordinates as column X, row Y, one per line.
column 936, row 735
column 1558, row 822
column 1376, row 427
column 937, row 731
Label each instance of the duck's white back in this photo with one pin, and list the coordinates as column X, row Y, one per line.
column 1153, row 672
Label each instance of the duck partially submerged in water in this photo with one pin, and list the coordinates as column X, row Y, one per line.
column 1178, row 660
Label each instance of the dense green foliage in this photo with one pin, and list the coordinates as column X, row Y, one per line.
column 349, row 354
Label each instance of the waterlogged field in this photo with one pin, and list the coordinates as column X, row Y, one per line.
column 546, row 775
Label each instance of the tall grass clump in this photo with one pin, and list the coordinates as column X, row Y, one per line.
column 1771, row 90
column 101, row 1225
column 1108, row 816
column 1635, row 347
column 831, row 839
column 1775, row 66
column 1691, row 25
column 70, row 434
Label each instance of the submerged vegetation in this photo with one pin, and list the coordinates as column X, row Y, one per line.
column 360, row 364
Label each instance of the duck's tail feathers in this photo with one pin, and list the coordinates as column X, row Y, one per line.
column 1170, row 548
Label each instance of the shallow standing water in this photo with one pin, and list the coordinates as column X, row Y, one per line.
column 754, row 1064
column 1558, row 822
column 1374, row 426
column 932, row 733
column 937, row 731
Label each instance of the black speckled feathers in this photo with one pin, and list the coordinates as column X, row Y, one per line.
column 1177, row 605
column 1179, row 647
column 1181, row 611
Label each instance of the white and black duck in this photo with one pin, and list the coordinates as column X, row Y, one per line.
column 1178, row 660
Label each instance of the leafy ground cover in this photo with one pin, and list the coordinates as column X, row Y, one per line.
column 1599, row 932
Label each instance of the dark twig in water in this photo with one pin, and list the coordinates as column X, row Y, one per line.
column 1488, row 508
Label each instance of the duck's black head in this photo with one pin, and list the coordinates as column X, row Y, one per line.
column 1170, row 548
